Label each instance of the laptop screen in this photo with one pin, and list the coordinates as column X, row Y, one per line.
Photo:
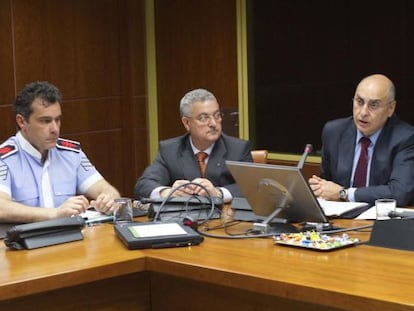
column 268, row 187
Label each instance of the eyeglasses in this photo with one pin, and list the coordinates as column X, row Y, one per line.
column 372, row 105
column 205, row 118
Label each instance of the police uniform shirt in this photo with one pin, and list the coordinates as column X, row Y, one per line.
column 66, row 172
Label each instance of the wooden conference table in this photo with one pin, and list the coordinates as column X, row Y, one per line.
column 99, row 273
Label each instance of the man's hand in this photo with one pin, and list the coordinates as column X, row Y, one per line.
column 208, row 185
column 104, row 203
column 102, row 195
column 324, row 189
column 72, row 206
column 181, row 192
column 191, row 189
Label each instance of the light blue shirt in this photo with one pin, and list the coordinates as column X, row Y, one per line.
column 66, row 172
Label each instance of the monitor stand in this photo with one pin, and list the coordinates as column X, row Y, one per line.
column 273, row 225
column 318, row 226
column 277, row 228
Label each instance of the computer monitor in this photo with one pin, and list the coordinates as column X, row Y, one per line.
column 281, row 193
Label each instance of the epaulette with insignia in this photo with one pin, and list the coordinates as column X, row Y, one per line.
column 67, row 144
column 7, row 150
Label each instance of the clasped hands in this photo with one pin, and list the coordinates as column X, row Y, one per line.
column 324, row 189
column 104, row 203
column 191, row 189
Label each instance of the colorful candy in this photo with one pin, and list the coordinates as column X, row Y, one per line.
column 316, row 240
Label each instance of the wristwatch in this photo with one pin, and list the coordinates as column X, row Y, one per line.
column 343, row 194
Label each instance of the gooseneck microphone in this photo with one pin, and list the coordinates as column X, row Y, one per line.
column 308, row 149
column 404, row 214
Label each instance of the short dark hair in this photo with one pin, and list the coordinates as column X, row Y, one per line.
column 47, row 92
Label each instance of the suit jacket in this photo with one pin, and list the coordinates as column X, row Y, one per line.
column 392, row 163
column 176, row 160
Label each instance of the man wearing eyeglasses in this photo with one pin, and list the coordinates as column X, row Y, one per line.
column 177, row 161
column 370, row 155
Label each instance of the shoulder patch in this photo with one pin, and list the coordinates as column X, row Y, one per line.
column 7, row 150
column 67, row 144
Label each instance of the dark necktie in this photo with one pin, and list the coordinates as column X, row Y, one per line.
column 360, row 176
column 201, row 157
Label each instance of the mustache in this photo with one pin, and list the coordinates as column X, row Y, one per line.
column 213, row 130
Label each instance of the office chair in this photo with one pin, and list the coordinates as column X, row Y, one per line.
column 259, row 156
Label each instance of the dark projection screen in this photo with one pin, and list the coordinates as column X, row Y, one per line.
column 306, row 58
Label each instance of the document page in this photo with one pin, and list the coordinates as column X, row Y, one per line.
column 335, row 208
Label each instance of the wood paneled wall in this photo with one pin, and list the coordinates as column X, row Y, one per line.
column 309, row 169
column 196, row 48
column 94, row 52
column 7, row 124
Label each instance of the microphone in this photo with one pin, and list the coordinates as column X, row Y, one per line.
column 308, row 149
column 405, row 214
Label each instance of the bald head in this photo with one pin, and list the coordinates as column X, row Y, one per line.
column 380, row 85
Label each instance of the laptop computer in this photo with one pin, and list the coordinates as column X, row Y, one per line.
column 281, row 191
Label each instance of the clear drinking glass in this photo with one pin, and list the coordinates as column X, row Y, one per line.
column 383, row 207
column 123, row 211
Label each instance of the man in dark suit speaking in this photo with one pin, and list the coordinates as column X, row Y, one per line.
column 370, row 155
column 178, row 162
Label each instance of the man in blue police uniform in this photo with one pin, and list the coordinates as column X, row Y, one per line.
column 41, row 175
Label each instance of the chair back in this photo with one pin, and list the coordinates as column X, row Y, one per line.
column 259, row 156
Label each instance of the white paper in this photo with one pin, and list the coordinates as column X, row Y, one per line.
column 335, row 208
column 152, row 230
column 92, row 217
column 371, row 213
column 89, row 214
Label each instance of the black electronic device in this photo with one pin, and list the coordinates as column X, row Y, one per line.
column 176, row 208
column 4, row 227
column 393, row 233
column 45, row 233
column 136, row 235
column 279, row 193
